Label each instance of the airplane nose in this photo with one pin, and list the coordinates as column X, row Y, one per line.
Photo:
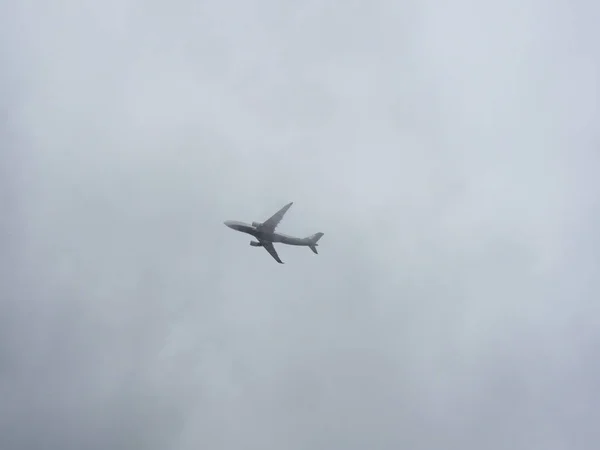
column 228, row 223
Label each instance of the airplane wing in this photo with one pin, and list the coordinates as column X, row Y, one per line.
column 270, row 224
column 271, row 249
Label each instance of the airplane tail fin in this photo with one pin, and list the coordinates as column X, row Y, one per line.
column 312, row 242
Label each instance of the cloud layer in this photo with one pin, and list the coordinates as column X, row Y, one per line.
column 447, row 151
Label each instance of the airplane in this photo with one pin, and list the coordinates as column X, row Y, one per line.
column 266, row 236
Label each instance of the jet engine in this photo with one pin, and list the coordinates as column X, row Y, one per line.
column 256, row 224
column 255, row 244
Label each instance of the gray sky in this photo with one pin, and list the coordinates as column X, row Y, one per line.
column 446, row 149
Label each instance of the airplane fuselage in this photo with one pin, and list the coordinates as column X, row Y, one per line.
column 266, row 236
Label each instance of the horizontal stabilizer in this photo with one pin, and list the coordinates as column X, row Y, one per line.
column 313, row 242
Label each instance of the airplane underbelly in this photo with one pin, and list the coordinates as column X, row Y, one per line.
column 287, row 239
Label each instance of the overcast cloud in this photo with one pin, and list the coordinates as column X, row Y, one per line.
column 448, row 151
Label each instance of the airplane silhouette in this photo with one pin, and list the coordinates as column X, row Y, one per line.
column 266, row 236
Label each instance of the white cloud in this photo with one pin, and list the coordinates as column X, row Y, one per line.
column 448, row 152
